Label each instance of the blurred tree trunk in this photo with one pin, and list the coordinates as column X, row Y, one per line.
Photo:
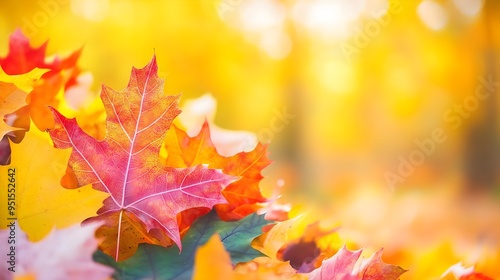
column 482, row 151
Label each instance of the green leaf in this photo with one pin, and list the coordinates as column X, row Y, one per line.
column 156, row 262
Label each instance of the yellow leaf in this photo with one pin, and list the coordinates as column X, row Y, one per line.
column 212, row 261
column 41, row 202
column 11, row 99
column 24, row 82
column 271, row 242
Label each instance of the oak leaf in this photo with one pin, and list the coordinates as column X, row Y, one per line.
column 126, row 164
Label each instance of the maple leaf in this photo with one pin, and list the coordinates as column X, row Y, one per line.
column 11, row 99
column 58, row 74
column 41, row 202
column 45, row 83
column 22, row 58
column 338, row 267
column 346, row 265
column 242, row 195
column 126, row 163
column 63, row 254
column 49, row 90
column 155, row 262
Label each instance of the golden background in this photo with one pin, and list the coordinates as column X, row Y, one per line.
column 364, row 80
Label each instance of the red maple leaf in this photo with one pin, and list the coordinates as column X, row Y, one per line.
column 145, row 195
column 62, row 74
column 22, row 58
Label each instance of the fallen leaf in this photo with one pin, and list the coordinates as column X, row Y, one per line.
column 305, row 254
column 302, row 256
column 24, row 82
column 63, row 254
column 22, row 58
column 338, row 267
column 212, row 261
column 11, row 99
column 374, row 268
column 126, row 163
column 44, row 80
column 244, row 194
column 276, row 237
column 48, row 78
column 47, row 92
column 347, row 265
column 156, row 262
column 227, row 142
column 42, row 203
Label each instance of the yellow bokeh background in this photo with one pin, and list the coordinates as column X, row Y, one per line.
column 364, row 81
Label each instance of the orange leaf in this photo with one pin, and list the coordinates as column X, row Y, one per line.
column 132, row 232
column 375, row 268
column 272, row 241
column 242, row 195
column 212, row 261
column 11, row 99
column 126, row 164
column 62, row 74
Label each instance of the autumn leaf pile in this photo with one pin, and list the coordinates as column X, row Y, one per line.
column 119, row 190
